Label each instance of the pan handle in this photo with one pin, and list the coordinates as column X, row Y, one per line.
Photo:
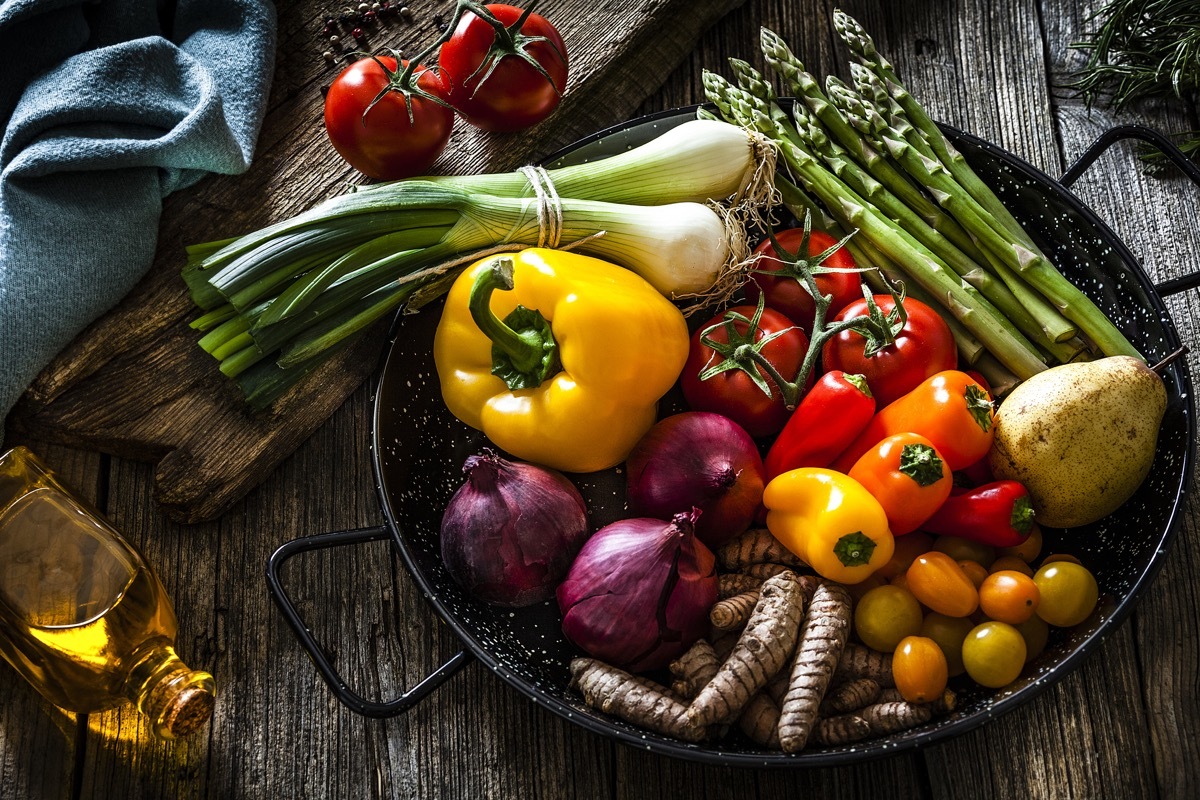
column 1164, row 146
column 318, row 654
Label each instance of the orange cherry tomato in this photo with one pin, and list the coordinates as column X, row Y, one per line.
column 941, row 585
column 900, row 580
column 949, row 409
column 1012, row 563
column 975, row 571
column 908, row 477
column 908, row 547
column 919, row 669
column 1027, row 550
column 1009, row 596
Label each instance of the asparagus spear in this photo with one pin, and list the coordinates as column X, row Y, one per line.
column 963, row 300
column 1023, row 255
column 803, row 85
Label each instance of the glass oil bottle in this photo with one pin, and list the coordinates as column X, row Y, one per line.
column 82, row 617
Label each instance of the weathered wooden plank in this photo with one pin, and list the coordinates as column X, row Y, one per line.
column 135, row 384
column 39, row 742
column 1156, row 218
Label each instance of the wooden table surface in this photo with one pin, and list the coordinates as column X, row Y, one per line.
column 1124, row 725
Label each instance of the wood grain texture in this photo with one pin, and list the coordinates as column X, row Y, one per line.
column 1124, row 725
column 135, row 384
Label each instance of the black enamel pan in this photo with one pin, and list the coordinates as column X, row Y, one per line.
column 419, row 449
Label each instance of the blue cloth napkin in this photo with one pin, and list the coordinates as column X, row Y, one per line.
column 107, row 107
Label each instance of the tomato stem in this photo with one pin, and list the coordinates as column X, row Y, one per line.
column 509, row 41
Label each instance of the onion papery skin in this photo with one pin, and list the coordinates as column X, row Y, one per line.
column 511, row 532
column 702, row 460
column 639, row 592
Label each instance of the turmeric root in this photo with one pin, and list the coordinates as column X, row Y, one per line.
column 842, row 729
column 764, row 570
column 850, row 696
column 858, row 661
column 943, row 705
column 761, row 651
column 885, row 718
column 759, row 720
column 694, row 669
column 735, row 584
column 822, row 639
column 755, row 546
column 733, row 612
column 777, row 687
column 636, row 700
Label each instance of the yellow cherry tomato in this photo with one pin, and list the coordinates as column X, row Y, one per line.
column 1035, row 632
column 961, row 549
column 919, row 669
column 949, row 633
column 885, row 615
column 1068, row 591
column 1056, row 557
column 994, row 654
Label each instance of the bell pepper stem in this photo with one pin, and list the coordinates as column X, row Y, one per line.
column 522, row 358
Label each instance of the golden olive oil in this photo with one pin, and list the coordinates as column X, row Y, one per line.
column 82, row 617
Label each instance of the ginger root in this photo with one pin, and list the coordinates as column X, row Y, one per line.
column 822, row 639
column 755, row 546
column 761, row 651
column 694, row 669
column 733, row 612
column 633, row 699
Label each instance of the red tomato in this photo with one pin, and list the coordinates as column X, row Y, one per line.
column 733, row 392
column 787, row 292
column 921, row 349
column 378, row 138
column 491, row 75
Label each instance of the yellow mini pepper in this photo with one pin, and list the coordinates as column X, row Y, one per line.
column 564, row 365
column 830, row 522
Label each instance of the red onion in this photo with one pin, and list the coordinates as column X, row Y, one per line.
column 639, row 592
column 510, row 532
column 702, row 460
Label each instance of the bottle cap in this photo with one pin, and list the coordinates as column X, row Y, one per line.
column 188, row 710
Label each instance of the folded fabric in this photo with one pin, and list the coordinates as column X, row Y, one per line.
column 107, row 107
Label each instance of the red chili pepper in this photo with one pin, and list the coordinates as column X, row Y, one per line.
column 828, row 419
column 999, row 514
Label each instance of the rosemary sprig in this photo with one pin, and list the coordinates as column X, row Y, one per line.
column 1143, row 50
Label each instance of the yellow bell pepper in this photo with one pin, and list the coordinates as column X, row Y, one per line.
column 565, row 364
column 830, row 522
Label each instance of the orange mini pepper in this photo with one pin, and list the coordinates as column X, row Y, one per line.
column 908, row 477
column 950, row 409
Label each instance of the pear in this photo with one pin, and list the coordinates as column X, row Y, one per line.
column 1080, row 437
